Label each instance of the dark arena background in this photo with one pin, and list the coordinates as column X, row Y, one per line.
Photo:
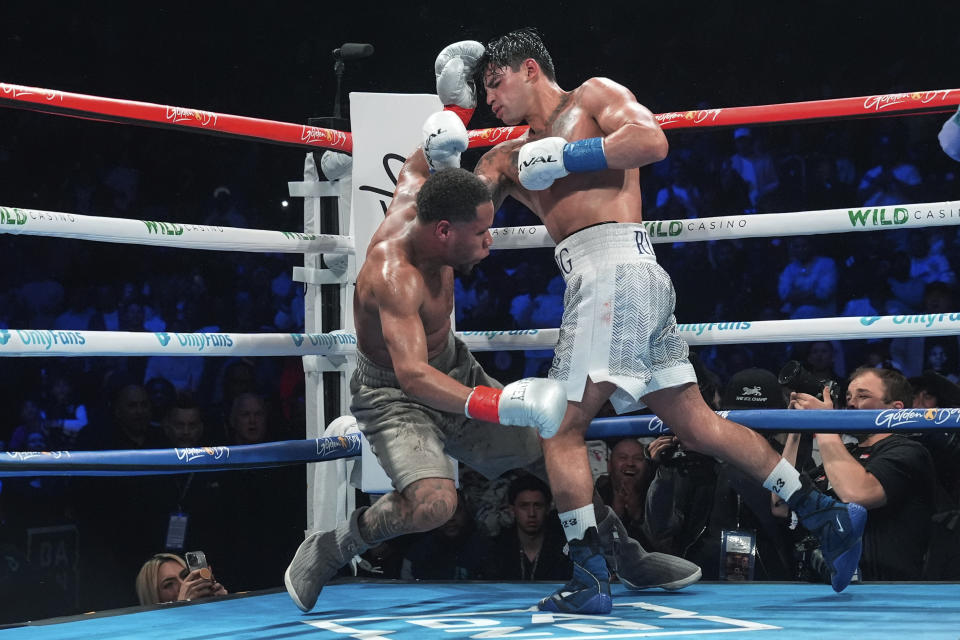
column 72, row 546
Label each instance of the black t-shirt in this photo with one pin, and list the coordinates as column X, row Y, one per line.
column 509, row 562
column 897, row 533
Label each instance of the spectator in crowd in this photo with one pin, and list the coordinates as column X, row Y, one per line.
column 531, row 549
column 64, row 416
column 31, row 433
column 624, row 487
column 129, row 424
column 165, row 578
column 248, row 419
column 906, row 289
column 162, row 395
column 106, row 315
column 756, row 168
column 453, row 551
column 932, row 390
column 912, row 355
column 77, row 315
column 927, row 262
column 888, row 473
column 808, row 284
column 941, row 356
column 681, row 197
column 820, row 359
column 183, row 423
column 893, row 181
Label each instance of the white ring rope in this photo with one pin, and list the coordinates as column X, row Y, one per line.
column 763, row 225
column 34, row 342
column 191, row 236
column 170, row 234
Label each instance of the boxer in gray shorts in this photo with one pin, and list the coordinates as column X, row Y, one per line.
column 418, row 393
column 412, row 440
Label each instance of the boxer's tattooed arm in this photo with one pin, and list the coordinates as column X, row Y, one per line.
column 422, row 505
column 492, row 169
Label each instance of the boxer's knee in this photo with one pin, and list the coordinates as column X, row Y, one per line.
column 431, row 502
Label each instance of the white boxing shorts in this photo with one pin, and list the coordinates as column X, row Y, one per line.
column 618, row 324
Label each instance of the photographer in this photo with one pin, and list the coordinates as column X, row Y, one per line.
column 889, row 474
column 693, row 498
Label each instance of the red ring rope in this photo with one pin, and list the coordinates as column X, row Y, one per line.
column 303, row 136
column 158, row 115
column 916, row 102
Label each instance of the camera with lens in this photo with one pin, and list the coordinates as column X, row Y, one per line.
column 794, row 377
column 684, row 460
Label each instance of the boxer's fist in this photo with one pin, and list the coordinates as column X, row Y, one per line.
column 531, row 402
column 444, row 139
column 541, row 162
column 336, row 165
column 454, row 70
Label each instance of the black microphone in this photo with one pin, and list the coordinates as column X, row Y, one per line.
column 353, row 51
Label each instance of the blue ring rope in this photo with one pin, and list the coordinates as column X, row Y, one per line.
column 287, row 452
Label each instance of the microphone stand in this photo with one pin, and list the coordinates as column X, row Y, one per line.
column 338, row 67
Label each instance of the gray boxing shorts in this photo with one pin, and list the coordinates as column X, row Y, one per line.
column 412, row 440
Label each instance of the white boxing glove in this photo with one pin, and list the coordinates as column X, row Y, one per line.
column 444, row 139
column 540, row 162
column 531, row 402
column 454, row 70
column 336, row 165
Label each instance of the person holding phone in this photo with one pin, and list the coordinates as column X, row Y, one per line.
column 166, row 577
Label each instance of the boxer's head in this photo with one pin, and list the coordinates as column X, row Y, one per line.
column 505, row 69
column 457, row 207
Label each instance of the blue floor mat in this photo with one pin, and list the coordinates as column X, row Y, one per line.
column 399, row 611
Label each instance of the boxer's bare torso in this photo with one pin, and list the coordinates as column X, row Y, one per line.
column 598, row 107
column 389, row 256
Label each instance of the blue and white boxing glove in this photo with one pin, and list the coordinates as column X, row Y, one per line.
column 531, row 402
column 444, row 139
column 454, row 69
column 950, row 136
column 542, row 161
column 336, row 165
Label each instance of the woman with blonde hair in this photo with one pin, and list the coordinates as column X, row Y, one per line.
column 165, row 578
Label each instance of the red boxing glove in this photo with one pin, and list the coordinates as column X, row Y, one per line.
column 462, row 112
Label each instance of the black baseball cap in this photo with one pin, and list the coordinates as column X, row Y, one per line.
column 947, row 393
column 753, row 389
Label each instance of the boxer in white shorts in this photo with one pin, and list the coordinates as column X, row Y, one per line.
column 578, row 166
column 618, row 323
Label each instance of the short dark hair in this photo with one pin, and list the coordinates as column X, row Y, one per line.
column 511, row 50
column 527, row 483
column 451, row 194
column 184, row 401
column 895, row 383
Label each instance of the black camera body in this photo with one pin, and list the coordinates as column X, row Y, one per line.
column 794, row 377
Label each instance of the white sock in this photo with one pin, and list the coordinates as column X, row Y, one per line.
column 575, row 523
column 784, row 480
